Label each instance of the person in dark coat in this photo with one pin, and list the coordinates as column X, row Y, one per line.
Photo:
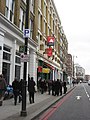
column 57, row 87
column 49, row 86
column 64, row 86
column 31, row 90
column 20, row 90
column 15, row 85
column 2, row 88
column 60, row 87
column 53, row 87
column 42, row 86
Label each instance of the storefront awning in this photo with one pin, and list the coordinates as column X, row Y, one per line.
column 50, row 66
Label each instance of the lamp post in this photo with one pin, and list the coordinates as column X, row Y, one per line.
column 23, row 111
column 73, row 71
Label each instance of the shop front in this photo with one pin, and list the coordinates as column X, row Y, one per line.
column 45, row 71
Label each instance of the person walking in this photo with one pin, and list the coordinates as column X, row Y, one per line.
column 3, row 88
column 53, row 87
column 15, row 85
column 57, row 87
column 60, row 87
column 20, row 90
column 31, row 89
column 64, row 86
column 49, row 86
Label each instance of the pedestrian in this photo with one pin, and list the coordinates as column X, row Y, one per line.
column 73, row 83
column 31, row 89
column 42, row 86
column 15, row 85
column 49, row 86
column 20, row 90
column 64, row 86
column 2, row 88
column 53, row 87
column 60, row 87
column 57, row 87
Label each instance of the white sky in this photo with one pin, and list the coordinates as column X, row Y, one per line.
column 75, row 19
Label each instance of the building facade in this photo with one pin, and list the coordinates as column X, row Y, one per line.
column 49, row 25
column 44, row 22
column 79, row 72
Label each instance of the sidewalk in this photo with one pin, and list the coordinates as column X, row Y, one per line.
column 42, row 102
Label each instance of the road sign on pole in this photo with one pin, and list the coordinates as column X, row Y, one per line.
column 24, row 58
column 26, row 33
column 21, row 49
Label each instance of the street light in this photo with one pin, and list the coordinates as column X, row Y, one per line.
column 23, row 111
column 73, row 66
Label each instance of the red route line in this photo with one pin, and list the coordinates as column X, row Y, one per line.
column 54, row 108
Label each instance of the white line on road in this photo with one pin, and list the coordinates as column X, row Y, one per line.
column 86, row 92
column 78, row 97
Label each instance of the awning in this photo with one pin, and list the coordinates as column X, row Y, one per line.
column 50, row 66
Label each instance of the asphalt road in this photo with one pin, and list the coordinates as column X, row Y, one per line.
column 74, row 106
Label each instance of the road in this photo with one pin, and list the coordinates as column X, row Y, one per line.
column 74, row 106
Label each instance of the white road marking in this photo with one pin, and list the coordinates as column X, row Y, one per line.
column 78, row 97
column 86, row 92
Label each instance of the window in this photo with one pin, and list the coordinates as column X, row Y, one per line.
column 44, row 27
column 44, row 9
column 6, row 56
column 22, row 19
column 39, row 20
column 6, row 53
column 6, row 71
column 6, row 49
column 31, row 28
column 9, row 10
column 32, row 6
column 17, row 71
column 17, row 64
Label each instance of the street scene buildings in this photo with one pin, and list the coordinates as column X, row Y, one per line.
column 47, row 44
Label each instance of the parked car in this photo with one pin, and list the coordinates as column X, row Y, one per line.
column 89, row 82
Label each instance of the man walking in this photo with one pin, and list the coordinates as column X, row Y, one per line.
column 15, row 85
column 31, row 90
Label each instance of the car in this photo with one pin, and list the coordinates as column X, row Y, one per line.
column 89, row 82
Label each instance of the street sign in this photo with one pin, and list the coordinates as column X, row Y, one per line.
column 21, row 49
column 49, row 52
column 24, row 58
column 46, row 70
column 26, row 33
column 50, row 41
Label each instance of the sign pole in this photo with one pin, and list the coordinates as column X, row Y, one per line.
column 24, row 83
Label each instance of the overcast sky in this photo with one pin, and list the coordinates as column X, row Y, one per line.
column 75, row 19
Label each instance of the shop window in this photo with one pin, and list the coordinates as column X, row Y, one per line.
column 6, row 56
column 6, row 71
column 17, row 60
column 17, row 71
column 6, row 49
